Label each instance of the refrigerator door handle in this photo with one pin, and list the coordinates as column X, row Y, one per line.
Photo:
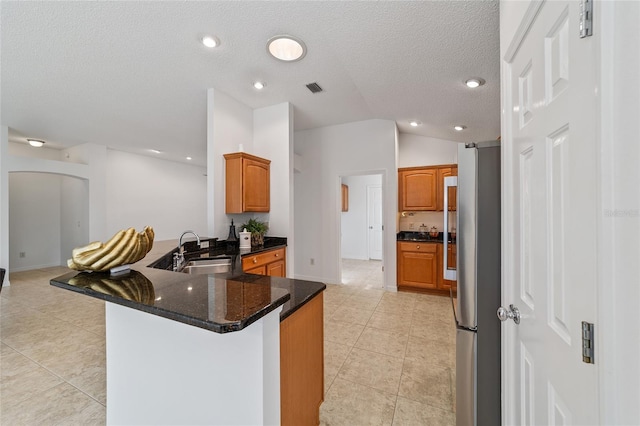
column 453, row 307
column 449, row 182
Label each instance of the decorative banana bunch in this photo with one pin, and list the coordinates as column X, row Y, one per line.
column 132, row 286
column 124, row 248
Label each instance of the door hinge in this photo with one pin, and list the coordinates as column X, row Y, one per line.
column 587, row 342
column 586, row 18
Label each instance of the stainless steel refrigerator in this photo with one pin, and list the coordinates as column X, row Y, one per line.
column 478, row 282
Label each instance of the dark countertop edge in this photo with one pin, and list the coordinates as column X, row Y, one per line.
column 218, row 328
column 410, row 236
column 263, row 249
column 285, row 314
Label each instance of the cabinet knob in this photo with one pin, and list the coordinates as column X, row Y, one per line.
column 255, row 260
column 417, row 247
column 277, row 254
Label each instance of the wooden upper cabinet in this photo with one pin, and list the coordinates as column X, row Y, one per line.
column 444, row 172
column 345, row 198
column 247, row 183
column 417, row 188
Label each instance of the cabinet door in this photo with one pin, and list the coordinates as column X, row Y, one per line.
column 417, row 189
column 276, row 269
column 444, row 172
column 255, row 192
column 345, row 198
column 418, row 268
column 258, row 270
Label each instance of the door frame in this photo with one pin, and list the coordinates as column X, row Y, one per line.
column 617, row 295
column 368, row 217
column 338, row 212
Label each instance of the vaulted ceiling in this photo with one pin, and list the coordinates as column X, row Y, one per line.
column 134, row 75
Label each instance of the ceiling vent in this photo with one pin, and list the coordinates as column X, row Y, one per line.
column 314, row 87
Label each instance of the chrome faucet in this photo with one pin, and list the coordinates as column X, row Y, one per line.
column 178, row 258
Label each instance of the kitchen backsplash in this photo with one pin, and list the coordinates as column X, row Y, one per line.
column 429, row 219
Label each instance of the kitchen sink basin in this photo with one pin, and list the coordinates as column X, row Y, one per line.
column 219, row 265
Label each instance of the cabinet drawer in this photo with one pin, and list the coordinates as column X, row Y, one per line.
column 418, row 246
column 261, row 259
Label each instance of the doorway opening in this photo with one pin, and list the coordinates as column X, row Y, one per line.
column 48, row 217
column 361, row 231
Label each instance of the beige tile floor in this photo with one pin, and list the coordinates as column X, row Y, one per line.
column 389, row 357
column 362, row 273
column 52, row 353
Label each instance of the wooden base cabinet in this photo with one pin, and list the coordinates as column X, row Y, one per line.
column 420, row 267
column 271, row 262
column 302, row 365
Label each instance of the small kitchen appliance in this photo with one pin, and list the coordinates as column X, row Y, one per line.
column 245, row 239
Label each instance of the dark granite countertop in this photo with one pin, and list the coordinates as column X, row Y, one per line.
column 218, row 302
column 423, row 237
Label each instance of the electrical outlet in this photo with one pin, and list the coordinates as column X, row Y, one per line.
column 23, row 254
column 312, row 261
column 204, row 244
column 412, row 225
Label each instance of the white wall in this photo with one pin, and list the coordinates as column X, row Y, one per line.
column 354, row 231
column 229, row 125
column 416, row 151
column 34, row 220
column 34, row 213
column 4, row 200
column 364, row 147
column 618, row 233
column 265, row 132
column 167, row 195
column 36, row 177
column 273, row 140
column 141, row 191
column 74, row 215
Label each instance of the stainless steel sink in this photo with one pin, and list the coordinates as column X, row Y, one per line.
column 208, row 266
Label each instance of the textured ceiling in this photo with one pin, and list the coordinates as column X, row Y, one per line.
column 133, row 75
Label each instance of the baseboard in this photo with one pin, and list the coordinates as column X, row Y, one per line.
column 32, row 267
column 308, row 278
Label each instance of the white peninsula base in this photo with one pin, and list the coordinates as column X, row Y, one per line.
column 165, row 372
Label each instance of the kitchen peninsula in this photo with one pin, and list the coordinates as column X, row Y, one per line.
column 227, row 348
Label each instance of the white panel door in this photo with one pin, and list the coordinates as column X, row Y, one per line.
column 549, row 172
column 374, row 221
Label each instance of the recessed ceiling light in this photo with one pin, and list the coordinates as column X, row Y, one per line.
column 155, row 151
column 35, row 142
column 189, row 158
column 286, row 48
column 259, row 85
column 414, row 123
column 474, row 82
column 459, row 128
column 210, row 41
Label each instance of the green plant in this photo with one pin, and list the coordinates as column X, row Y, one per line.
column 255, row 227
